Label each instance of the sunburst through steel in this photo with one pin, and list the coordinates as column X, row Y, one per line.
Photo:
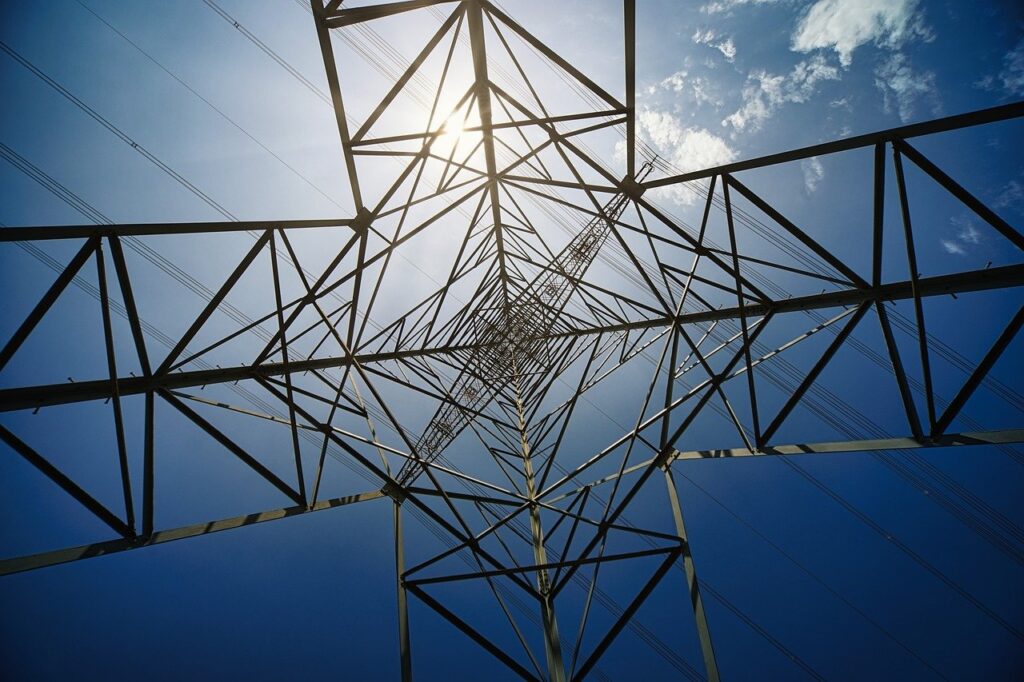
column 470, row 405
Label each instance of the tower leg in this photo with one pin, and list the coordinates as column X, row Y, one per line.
column 552, row 642
column 692, row 586
column 403, row 603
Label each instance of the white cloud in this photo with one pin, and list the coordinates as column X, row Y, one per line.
column 814, row 173
column 727, row 47
column 719, row 6
column 1012, row 74
column 688, row 148
column 844, row 25
column 1011, row 196
column 700, row 89
column 952, row 247
column 764, row 93
column 902, row 87
column 1011, row 78
column 970, row 235
column 676, row 82
column 966, row 237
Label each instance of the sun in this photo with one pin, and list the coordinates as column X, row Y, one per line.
column 447, row 138
column 458, row 134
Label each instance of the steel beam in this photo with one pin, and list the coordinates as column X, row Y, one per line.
column 30, row 397
column 335, row 18
column 552, row 640
column 629, row 24
column 401, row 594
column 43, row 233
column 1006, row 437
column 692, row 585
column 47, row 301
column 940, row 125
column 63, row 556
column 482, row 88
column 940, row 285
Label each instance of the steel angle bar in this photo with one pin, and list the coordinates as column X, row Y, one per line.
column 233, row 447
column 954, row 188
column 62, row 480
column 472, row 633
column 62, row 556
column 335, row 18
column 1005, row 437
column 626, row 616
column 48, row 299
column 40, row 233
column 214, row 302
column 30, row 397
column 544, row 567
column 1005, row 112
column 979, row 373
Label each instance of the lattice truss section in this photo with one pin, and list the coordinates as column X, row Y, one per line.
column 463, row 342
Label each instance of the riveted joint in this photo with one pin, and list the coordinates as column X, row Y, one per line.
column 395, row 492
column 631, row 188
column 361, row 223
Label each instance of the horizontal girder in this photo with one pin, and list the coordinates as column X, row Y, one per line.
column 30, row 397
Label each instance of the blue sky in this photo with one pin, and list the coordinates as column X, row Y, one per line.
column 186, row 87
column 830, row 69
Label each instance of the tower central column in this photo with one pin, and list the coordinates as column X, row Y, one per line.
column 552, row 642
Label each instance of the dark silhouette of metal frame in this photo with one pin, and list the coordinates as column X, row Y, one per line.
column 514, row 337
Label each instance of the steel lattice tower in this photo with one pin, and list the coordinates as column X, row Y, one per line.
column 499, row 359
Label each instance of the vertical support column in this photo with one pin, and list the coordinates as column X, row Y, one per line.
column 147, row 469
column 300, row 477
column 403, row 602
column 108, row 336
column 693, row 587
column 734, row 248
column 629, row 17
column 879, row 214
column 327, row 50
column 915, row 287
column 482, row 87
column 552, row 641
column 331, row 68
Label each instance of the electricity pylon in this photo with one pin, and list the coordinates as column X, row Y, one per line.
column 530, row 323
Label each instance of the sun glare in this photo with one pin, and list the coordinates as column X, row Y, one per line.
column 449, row 137
column 454, row 136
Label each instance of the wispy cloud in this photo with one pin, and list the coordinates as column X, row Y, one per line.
column 902, row 87
column 1011, row 196
column 845, row 25
column 967, row 236
column 814, row 173
column 764, row 93
column 699, row 89
column 688, row 148
column 724, row 45
column 1011, row 78
column 970, row 235
column 719, row 6
column 952, row 247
